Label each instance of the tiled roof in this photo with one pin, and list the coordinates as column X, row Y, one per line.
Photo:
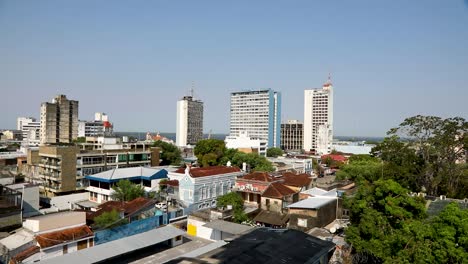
column 58, row 237
column 296, row 180
column 25, row 254
column 272, row 218
column 129, row 207
column 335, row 157
column 174, row 183
column 277, row 190
column 259, row 176
column 209, row 171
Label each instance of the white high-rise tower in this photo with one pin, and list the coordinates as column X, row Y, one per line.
column 318, row 119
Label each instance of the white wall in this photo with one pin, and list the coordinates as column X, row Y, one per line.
column 182, row 123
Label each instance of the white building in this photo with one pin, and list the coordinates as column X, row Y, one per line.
column 189, row 127
column 246, row 144
column 30, row 129
column 318, row 119
column 258, row 113
column 100, row 185
column 100, row 126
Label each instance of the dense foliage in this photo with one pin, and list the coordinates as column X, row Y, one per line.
column 433, row 156
column 108, row 220
column 274, row 152
column 170, row 154
column 237, row 203
column 125, row 190
column 387, row 224
column 214, row 152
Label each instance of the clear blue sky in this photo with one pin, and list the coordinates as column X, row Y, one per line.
column 134, row 59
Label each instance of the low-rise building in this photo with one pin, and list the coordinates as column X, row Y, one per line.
column 200, row 187
column 136, row 209
column 298, row 164
column 30, row 194
column 312, row 212
column 246, row 144
column 100, row 185
column 10, row 209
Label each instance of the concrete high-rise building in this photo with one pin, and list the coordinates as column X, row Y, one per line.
column 292, row 137
column 189, row 121
column 59, row 120
column 258, row 113
column 318, row 119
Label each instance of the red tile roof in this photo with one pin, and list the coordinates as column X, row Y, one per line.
column 209, row 171
column 129, row 207
column 277, row 190
column 259, row 176
column 58, row 237
column 335, row 157
column 174, row 183
column 25, row 254
column 296, row 180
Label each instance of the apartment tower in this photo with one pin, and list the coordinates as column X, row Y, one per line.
column 189, row 129
column 258, row 113
column 292, row 135
column 318, row 119
column 59, row 120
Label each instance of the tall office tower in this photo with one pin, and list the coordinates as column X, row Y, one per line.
column 189, row 121
column 318, row 119
column 59, row 120
column 292, row 135
column 258, row 113
column 30, row 128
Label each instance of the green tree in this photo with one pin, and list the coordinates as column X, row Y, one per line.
column 210, row 151
column 361, row 169
column 274, row 152
column 80, row 140
column 379, row 213
column 255, row 161
column 170, row 154
column 109, row 219
column 429, row 157
column 125, row 190
column 237, row 203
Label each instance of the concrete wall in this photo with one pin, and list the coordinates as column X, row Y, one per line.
column 55, row 221
column 275, row 205
column 315, row 218
column 195, row 228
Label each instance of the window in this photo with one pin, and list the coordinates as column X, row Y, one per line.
column 178, row 238
column 65, row 249
column 302, row 222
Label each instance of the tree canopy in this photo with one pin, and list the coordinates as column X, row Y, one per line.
column 432, row 154
column 210, row 151
column 125, row 190
column 237, row 203
column 108, row 220
column 170, row 154
column 214, row 152
column 274, row 152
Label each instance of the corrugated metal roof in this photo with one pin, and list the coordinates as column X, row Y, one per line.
column 117, row 247
column 228, row 227
column 313, row 202
column 127, row 173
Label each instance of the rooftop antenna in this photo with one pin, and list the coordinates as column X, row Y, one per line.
column 329, row 77
column 192, row 89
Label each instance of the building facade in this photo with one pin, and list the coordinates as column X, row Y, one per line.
column 318, row 119
column 292, row 137
column 100, row 126
column 189, row 121
column 61, row 169
column 59, row 121
column 258, row 113
column 200, row 187
column 30, row 128
column 245, row 144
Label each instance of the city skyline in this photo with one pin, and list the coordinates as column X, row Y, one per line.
column 134, row 61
